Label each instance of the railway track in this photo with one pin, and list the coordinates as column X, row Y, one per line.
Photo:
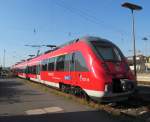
column 138, row 105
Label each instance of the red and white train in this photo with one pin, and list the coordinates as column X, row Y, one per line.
column 92, row 65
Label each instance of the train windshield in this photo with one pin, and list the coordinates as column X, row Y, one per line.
column 107, row 51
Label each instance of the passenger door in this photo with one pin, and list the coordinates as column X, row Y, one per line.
column 81, row 77
column 67, row 70
column 38, row 73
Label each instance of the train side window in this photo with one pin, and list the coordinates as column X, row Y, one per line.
column 23, row 70
column 72, row 62
column 80, row 64
column 38, row 69
column 34, row 69
column 26, row 70
column 67, row 62
column 51, row 64
column 44, row 65
column 30, row 69
column 60, row 63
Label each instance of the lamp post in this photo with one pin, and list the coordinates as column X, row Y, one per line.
column 145, row 39
column 133, row 7
column 4, row 58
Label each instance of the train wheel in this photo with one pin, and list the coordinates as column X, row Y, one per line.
column 82, row 94
column 77, row 91
column 62, row 87
column 65, row 88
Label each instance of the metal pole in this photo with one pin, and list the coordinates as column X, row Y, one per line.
column 145, row 47
column 134, row 47
column 4, row 59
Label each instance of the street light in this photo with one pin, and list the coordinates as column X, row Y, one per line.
column 133, row 7
column 4, row 58
column 145, row 39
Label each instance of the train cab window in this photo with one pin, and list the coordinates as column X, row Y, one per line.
column 51, row 64
column 80, row 64
column 60, row 63
column 44, row 65
column 107, row 51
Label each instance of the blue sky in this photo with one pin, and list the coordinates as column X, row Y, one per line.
column 58, row 21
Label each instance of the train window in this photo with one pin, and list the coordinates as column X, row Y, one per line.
column 38, row 69
column 44, row 65
column 30, row 69
column 80, row 64
column 51, row 64
column 72, row 62
column 67, row 62
column 60, row 63
column 107, row 51
column 26, row 70
column 23, row 70
column 34, row 69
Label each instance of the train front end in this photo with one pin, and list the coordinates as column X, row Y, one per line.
column 114, row 76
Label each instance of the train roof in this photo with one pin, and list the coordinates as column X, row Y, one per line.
column 92, row 38
column 86, row 39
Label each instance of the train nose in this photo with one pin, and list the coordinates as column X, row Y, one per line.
column 117, row 69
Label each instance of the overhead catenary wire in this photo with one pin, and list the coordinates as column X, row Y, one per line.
column 85, row 14
column 88, row 17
